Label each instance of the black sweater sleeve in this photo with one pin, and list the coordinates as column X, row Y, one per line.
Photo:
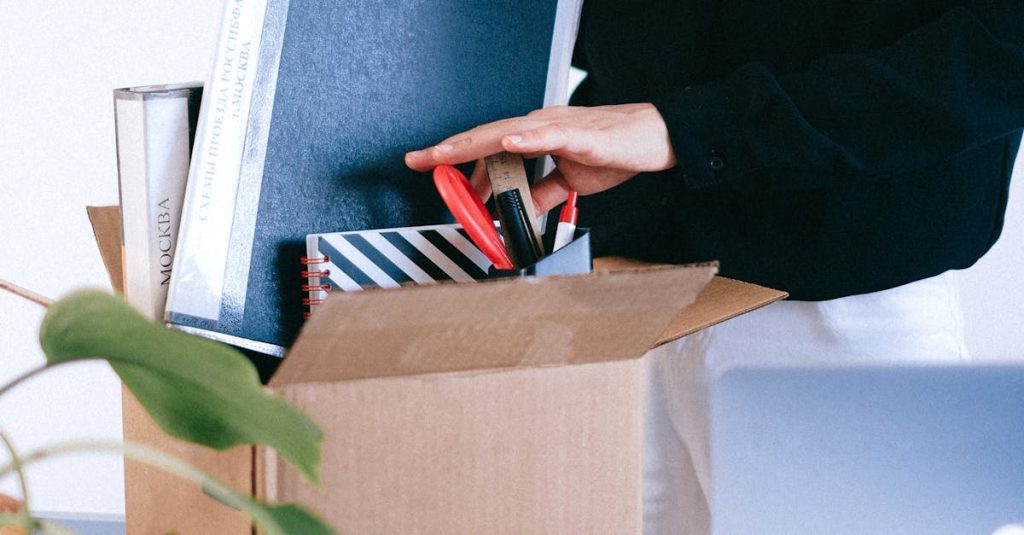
column 941, row 89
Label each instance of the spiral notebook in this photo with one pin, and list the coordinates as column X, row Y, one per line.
column 388, row 258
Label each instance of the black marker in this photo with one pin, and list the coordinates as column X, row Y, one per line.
column 520, row 240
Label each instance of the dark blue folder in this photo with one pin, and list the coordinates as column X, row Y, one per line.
column 349, row 87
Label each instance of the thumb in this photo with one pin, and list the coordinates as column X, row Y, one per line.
column 549, row 191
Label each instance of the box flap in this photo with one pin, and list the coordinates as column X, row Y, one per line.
column 494, row 324
column 720, row 300
column 106, row 226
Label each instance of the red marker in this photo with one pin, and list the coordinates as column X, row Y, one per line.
column 566, row 222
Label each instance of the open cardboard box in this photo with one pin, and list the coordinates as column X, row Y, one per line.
column 511, row 406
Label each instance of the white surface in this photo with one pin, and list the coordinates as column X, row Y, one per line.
column 866, row 450
column 914, row 323
column 992, row 291
column 59, row 61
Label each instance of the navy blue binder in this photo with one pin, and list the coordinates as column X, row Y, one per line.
column 338, row 92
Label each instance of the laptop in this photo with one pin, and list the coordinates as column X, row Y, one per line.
column 868, row 450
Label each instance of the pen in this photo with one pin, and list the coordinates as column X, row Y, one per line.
column 566, row 222
column 520, row 241
column 514, row 204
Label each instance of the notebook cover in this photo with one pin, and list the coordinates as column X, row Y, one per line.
column 389, row 258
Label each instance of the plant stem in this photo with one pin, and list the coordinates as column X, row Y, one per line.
column 135, row 451
column 36, row 524
column 26, row 293
column 19, row 468
column 54, row 528
column 19, row 520
column 216, row 489
column 24, row 377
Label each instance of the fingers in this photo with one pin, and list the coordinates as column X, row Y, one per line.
column 430, row 157
column 582, row 145
column 626, row 137
column 474, row 144
column 480, row 181
column 549, row 191
column 484, row 140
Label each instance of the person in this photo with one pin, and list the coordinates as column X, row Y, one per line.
column 851, row 153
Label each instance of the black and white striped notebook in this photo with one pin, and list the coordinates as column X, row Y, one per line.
column 388, row 258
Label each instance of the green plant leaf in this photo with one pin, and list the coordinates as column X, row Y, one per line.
column 271, row 519
column 195, row 389
column 286, row 519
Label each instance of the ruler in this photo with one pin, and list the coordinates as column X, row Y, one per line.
column 508, row 174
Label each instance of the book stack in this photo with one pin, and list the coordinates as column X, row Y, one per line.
column 304, row 121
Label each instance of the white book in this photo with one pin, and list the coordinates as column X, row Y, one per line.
column 154, row 127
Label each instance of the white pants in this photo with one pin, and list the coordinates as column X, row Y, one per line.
column 915, row 322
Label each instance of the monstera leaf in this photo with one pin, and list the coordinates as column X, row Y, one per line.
column 195, row 389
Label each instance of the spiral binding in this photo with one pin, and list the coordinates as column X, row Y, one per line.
column 313, row 283
column 307, row 261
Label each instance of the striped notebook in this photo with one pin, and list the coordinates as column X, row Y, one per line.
column 388, row 258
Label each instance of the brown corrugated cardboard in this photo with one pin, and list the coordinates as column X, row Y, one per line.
column 493, row 324
column 159, row 502
column 106, row 227
column 511, row 406
column 722, row 299
column 531, row 420
column 522, row 450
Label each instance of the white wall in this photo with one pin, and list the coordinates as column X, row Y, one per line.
column 59, row 60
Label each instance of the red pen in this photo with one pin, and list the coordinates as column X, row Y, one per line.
column 566, row 222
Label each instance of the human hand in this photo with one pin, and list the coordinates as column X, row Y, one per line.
column 594, row 148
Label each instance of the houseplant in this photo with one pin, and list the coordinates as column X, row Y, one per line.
column 194, row 389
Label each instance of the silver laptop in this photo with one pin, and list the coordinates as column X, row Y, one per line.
column 868, row 450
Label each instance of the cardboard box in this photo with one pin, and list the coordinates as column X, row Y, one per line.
column 156, row 501
column 511, row 406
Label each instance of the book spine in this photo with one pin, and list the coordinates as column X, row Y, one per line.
column 202, row 250
column 153, row 128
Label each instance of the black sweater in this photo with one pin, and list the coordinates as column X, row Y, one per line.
column 826, row 148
